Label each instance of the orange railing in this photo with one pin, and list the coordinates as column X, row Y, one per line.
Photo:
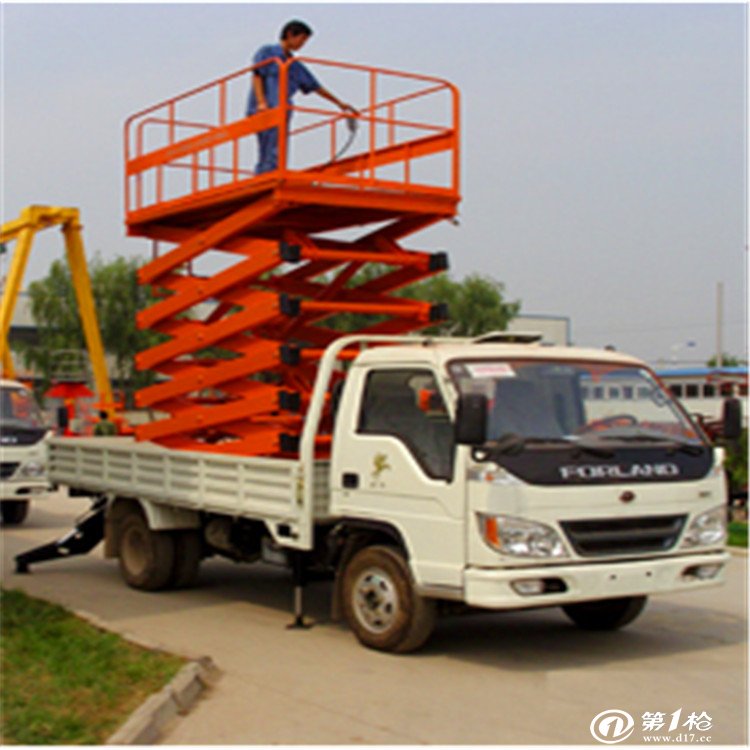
column 200, row 142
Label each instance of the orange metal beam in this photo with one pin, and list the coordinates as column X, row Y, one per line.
column 200, row 336
column 259, row 356
column 208, row 239
column 262, row 399
column 203, row 289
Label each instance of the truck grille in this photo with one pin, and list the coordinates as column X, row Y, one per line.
column 7, row 469
column 615, row 536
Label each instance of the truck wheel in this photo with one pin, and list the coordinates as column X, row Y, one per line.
column 14, row 512
column 607, row 614
column 188, row 553
column 146, row 557
column 380, row 603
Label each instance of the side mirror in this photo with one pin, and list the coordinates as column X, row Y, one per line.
column 732, row 420
column 471, row 419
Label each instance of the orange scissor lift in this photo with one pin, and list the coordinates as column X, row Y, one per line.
column 252, row 274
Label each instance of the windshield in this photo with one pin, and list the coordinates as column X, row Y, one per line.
column 573, row 402
column 18, row 410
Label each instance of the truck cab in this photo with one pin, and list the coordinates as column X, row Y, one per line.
column 519, row 476
column 23, row 433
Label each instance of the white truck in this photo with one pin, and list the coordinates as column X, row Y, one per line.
column 477, row 473
column 23, row 436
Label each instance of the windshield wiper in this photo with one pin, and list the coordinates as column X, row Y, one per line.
column 512, row 444
column 692, row 449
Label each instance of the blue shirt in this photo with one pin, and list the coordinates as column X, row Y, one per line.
column 299, row 78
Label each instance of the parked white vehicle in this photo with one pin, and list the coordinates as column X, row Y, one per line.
column 23, row 435
column 470, row 472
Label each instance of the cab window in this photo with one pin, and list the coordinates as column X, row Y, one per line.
column 407, row 405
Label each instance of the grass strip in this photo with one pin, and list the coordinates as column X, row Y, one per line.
column 738, row 534
column 65, row 682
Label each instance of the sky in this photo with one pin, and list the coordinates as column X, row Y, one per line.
column 604, row 147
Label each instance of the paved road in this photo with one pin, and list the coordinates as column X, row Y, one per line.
column 523, row 678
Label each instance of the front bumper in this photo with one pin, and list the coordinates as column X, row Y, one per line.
column 24, row 489
column 492, row 588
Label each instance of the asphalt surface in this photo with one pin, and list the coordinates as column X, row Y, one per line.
column 507, row 678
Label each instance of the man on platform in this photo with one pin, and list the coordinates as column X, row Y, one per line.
column 264, row 93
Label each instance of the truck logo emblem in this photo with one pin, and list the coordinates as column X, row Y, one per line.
column 379, row 465
column 583, row 472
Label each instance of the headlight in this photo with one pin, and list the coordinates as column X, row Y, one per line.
column 32, row 469
column 709, row 529
column 521, row 538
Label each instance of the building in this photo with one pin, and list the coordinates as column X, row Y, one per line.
column 555, row 329
column 702, row 390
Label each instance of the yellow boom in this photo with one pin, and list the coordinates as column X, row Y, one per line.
column 22, row 230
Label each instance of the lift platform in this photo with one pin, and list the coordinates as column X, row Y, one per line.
column 259, row 266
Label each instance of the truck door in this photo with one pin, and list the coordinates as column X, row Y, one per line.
column 394, row 462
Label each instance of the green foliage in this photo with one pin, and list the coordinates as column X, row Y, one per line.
column 117, row 298
column 66, row 682
column 738, row 534
column 476, row 304
column 55, row 311
column 727, row 360
column 736, row 461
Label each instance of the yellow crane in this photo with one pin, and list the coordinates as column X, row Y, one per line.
column 23, row 230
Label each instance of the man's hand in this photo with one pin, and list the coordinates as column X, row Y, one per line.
column 343, row 106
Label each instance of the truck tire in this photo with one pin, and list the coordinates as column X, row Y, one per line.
column 146, row 557
column 188, row 553
column 14, row 512
column 607, row 614
column 380, row 603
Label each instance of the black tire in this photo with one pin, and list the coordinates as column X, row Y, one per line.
column 146, row 557
column 14, row 512
column 188, row 553
column 380, row 603
column 606, row 614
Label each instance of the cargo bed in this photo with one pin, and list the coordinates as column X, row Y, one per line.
column 268, row 489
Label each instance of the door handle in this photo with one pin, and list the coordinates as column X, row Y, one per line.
column 350, row 481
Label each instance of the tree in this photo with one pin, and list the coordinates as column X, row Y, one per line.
column 117, row 298
column 476, row 304
column 736, row 462
column 727, row 360
column 55, row 312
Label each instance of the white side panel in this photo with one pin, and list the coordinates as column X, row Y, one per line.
column 268, row 489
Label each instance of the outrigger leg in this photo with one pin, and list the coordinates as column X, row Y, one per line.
column 88, row 532
column 299, row 576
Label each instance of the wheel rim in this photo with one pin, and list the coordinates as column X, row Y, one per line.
column 375, row 600
column 134, row 551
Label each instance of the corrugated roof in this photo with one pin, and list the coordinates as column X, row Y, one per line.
column 700, row 372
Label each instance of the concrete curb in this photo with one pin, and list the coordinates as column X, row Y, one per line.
column 146, row 724
column 737, row 551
